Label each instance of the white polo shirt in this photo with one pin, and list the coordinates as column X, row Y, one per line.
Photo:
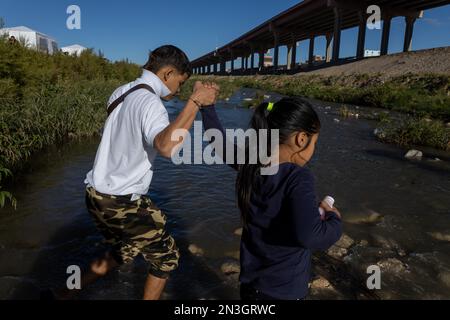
column 124, row 161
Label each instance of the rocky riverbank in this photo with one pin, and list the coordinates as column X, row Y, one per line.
column 341, row 273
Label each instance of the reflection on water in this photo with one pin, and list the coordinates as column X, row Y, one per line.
column 51, row 229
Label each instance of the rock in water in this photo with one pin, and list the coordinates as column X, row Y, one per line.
column 320, row 283
column 445, row 278
column 379, row 133
column 414, row 155
column 238, row 232
column 392, row 265
column 230, row 267
column 337, row 253
column 345, row 242
column 340, row 248
column 374, row 217
column 440, row 236
column 195, row 250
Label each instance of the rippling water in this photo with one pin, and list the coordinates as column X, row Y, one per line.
column 51, row 228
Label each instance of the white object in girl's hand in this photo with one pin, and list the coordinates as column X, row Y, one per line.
column 330, row 202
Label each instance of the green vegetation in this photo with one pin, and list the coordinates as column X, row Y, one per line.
column 4, row 195
column 47, row 99
column 414, row 131
column 418, row 96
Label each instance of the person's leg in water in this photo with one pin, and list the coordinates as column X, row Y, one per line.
column 154, row 287
column 133, row 228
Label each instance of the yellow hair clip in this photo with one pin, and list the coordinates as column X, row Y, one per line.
column 270, row 106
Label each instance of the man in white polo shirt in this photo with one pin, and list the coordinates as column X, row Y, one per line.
column 137, row 129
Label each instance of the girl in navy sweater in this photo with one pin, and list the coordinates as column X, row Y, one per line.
column 282, row 224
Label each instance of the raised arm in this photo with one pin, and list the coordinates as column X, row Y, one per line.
column 201, row 96
column 211, row 121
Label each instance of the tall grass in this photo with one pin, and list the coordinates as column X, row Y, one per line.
column 47, row 99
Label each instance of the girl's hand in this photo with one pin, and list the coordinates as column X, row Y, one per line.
column 327, row 208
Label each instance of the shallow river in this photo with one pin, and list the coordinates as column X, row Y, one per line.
column 410, row 201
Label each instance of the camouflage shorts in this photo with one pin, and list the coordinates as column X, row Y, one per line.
column 132, row 228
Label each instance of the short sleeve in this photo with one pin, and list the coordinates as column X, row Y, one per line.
column 154, row 119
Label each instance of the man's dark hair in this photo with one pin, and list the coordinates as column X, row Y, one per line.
column 168, row 56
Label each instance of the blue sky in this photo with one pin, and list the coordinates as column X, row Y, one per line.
column 128, row 29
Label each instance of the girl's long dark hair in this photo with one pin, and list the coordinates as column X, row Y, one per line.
column 289, row 115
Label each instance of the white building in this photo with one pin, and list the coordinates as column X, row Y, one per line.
column 372, row 53
column 75, row 49
column 32, row 39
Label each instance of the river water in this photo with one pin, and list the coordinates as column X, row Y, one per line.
column 410, row 201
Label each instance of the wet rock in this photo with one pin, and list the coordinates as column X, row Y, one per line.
column 329, row 108
column 345, row 242
column 238, row 232
column 392, row 265
column 340, row 249
column 444, row 277
column 337, row 252
column 371, row 217
column 363, row 243
column 375, row 217
column 440, row 236
column 337, row 120
column 320, row 283
column 414, row 155
column 379, row 133
column 196, row 251
column 230, row 267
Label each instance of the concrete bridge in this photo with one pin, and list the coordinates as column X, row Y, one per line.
column 308, row 20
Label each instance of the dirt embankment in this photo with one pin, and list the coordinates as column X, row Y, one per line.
column 418, row 62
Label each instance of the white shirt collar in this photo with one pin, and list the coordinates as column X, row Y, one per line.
column 155, row 82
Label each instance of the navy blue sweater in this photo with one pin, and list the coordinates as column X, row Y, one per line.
column 282, row 230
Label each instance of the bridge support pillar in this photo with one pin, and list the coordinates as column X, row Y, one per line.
column 292, row 56
column 337, row 34
column 410, row 21
column 261, row 60
column 361, row 35
column 311, row 50
column 252, row 61
column 276, row 51
column 329, row 48
column 386, row 33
